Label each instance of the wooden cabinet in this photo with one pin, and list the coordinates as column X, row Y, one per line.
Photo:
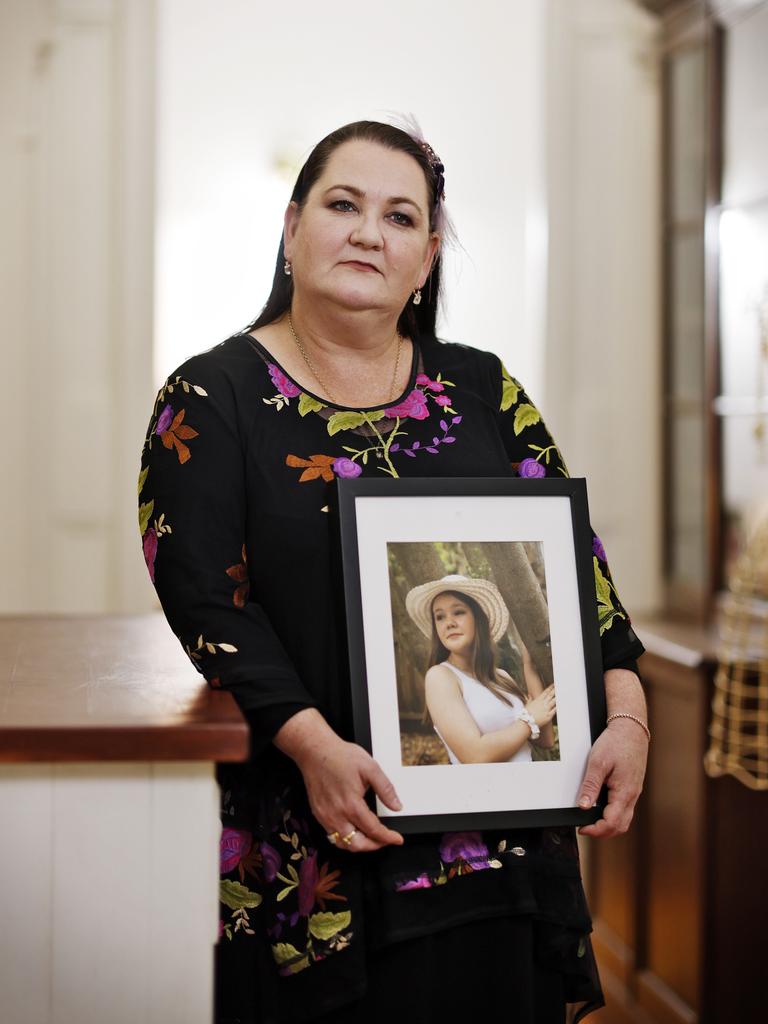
column 679, row 903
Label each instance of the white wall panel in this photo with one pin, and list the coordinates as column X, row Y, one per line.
column 603, row 333
column 109, row 896
column 26, row 844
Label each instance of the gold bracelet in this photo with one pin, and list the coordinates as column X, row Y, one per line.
column 640, row 722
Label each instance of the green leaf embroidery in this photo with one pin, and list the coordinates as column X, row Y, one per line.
column 142, row 480
column 350, row 420
column 525, row 416
column 288, row 957
column 236, row 896
column 308, row 404
column 324, row 926
column 145, row 514
column 509, row 390
column 602, row 586
column 606, row 612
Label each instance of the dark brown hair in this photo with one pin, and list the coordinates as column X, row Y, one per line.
column 414, row 320
column 485, row 655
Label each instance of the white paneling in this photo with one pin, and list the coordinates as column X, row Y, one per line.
column 101, row 893
column 26, row 842
column 184, row 819
column 603, row 345
column 109, row 896
column 133, row 298
column 23, row 48
column 745, row 116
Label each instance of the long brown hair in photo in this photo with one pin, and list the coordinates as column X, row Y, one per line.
column 484, row 657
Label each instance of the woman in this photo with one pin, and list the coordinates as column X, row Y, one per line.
column 240, row 538
column 478, row 710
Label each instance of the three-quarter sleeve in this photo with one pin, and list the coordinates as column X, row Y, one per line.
column 192, row 519
column 533, row 453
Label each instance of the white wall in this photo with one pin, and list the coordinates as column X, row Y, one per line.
column 245, row 89
column 602, row 361
column 744, row 272
column 543, row 110
column 75, row 279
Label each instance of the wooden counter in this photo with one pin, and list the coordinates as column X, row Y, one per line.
column 110, row 829
column 108, row 689
column 678, row 903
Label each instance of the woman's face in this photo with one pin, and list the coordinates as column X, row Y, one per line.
column 362, row 240
column 454, row 623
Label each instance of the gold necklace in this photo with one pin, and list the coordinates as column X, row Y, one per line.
column 319, row 379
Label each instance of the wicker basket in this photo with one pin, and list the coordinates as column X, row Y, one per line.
column 739, row 727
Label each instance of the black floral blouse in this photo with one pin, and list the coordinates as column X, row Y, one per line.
column 241, row 542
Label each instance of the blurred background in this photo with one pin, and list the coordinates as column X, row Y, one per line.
column 607, row 172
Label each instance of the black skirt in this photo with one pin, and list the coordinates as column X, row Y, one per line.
column 494, row 965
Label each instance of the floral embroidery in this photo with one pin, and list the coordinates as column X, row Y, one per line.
column 461, row 853
column 150, row 534
column 416, row 447
column 164, row 422
column 346, row 468
column 414, row 406
column 509, row 389
column 176, row 433
column 531, row 468
column 606, row 609
column 284, row 386
column 315, row 466
column 303, row 931
column 239, row 573
column 206, row 646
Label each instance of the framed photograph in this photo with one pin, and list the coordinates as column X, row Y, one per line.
column 476, row 666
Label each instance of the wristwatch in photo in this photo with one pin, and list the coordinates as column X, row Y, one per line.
column 530, row 721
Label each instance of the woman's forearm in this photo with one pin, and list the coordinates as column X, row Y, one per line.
column 304, row 735
column 494, row 747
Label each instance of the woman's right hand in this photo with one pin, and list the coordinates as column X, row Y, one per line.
column 544, row 707
column 337, row 775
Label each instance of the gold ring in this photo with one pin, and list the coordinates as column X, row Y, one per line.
column 348, row 838
column 332, row 838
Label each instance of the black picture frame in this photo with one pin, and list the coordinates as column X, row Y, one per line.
column 378, row 515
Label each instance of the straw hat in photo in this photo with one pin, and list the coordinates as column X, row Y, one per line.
column 418, row 602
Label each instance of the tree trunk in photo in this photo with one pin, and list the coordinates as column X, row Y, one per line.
column 535, row 552
column 519, row 586
column 419, row 563
column 411, row 647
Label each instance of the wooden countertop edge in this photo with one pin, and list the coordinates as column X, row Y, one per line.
column 679, row 642
column 68, row 744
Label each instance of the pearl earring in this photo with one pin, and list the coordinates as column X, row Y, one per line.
column 287, row 268
column 417, row 296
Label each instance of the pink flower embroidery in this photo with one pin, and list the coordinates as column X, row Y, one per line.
column 467, row 846
column 414, row 406
column 308, row 876
column 433, row 385
column 443, row 400
column 285, row 386
column 422, row 882
column 149, row 544
column 235, row 843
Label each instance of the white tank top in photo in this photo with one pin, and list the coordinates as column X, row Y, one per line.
column 489, row 712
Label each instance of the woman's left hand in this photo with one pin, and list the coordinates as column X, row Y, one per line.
column 618, row 758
